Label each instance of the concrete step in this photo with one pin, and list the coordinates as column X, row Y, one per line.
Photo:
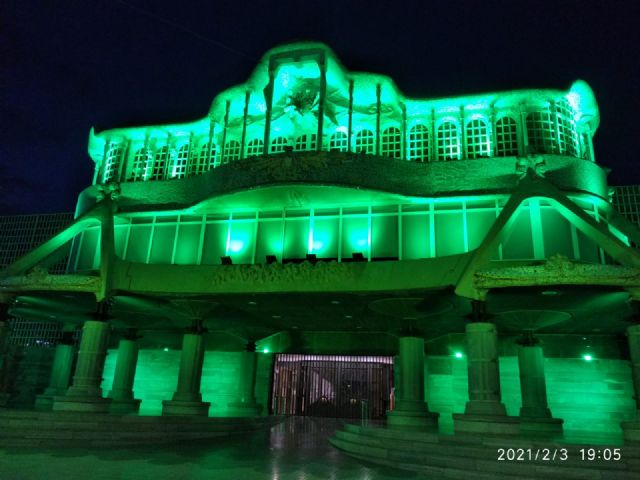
column 477, row 459
column 58, row 428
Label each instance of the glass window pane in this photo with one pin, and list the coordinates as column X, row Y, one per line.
column 355, row 235
column 325, row 237
column 215, row 243
column 138, row 243
column 449, row 234
column 162, row 244
column 269, row 240
column 416, row 242
column 188, row 242
column 384, row 236
column 296, row 237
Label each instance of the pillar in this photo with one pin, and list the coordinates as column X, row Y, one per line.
column 484, row 412
column 122, row 398
column 535, row 416
column 60, row 372
column 5, row 369
column 246, row 405
column 631, row 429
column 411, row 409
column 85, row 394
column 187, row 400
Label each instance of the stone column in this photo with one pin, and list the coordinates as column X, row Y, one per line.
column 60, row 372
column 85, row 394
column 122, row 399
column 246, row 405
column 535, row 416
column 187, row 400
column 484, row 412
column 632, row 429
column 411, row 409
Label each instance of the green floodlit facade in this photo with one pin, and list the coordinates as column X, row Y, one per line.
column 317, row 211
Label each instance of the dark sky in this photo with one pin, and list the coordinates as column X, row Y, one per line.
column 110, row 63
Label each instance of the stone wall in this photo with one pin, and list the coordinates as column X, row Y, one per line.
column 589, row 396
column 157, row 376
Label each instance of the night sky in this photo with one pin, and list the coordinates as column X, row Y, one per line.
column 118, row 63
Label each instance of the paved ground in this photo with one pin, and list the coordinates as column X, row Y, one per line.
column 295, row 450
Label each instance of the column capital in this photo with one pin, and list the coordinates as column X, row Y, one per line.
column 130, row 334
column 528, row 339
column 103, row 311
column 196, row 327
column 479, row 313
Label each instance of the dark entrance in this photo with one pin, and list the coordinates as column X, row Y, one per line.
column 332, row 385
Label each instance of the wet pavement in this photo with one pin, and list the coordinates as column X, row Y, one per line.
column 296, row 449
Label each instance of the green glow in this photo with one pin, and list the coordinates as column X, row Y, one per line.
column 236, row 246
column 295, row 111
column 587, row 358
column 458, row 355
column 266, row 350
column 166, row 349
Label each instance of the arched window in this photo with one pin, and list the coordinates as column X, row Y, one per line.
column 112, row 163
column 567, row 135
column 365, row 142
column 540, row 132
column 204, row 161
column 141, row 161
column 231, row 151
column 506, row 137
column 305, row 143
column 160, row 163
column 391, row 145
column 585, row 146
column 255, row 147
column 278, row 144
column 448, row 141
column 418, row 143
column 180, row 165
column 339, row 142
column 477, row 139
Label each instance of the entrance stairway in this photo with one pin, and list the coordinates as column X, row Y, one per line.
column 68, row 429
column 468, row 456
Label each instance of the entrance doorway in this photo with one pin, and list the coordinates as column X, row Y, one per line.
column 332, row 386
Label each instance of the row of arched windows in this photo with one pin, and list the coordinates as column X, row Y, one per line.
column 550, row 131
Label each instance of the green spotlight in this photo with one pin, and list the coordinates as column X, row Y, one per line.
column 458, row 354
column 166, row 349
column 587, row 358
column 266, row 350
column 236, row 245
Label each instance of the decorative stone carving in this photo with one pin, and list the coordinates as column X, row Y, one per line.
column 535, row 163
column 291, row 273
column 111, row 190
column 557, row 270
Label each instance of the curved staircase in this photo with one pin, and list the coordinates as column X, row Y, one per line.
column 473, row 456
column 62, row 429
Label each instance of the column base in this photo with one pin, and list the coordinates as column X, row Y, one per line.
column 541, row 426
column 125, row 405
column 177, row 407
column 631, row 430
column 479, row 419
column 44, row 403
column 242, row 409
column 76, row 403
column 412, row 419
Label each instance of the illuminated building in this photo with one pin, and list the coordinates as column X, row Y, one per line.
column 317, row 211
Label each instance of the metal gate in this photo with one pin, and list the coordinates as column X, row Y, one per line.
column 332, row 386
